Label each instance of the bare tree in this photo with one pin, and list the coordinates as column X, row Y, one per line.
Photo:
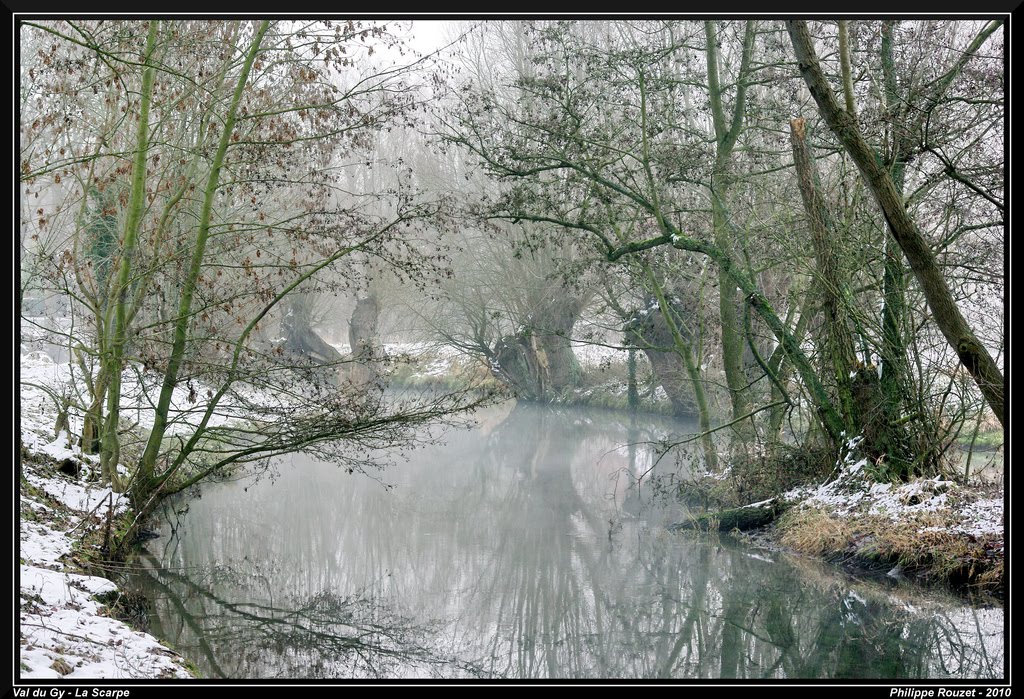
column 225, row 207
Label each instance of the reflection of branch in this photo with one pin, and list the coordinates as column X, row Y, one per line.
column 755, row 634
column 309, row 625
column 984, row 650
column 189, row 620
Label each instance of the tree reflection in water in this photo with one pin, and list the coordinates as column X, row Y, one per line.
column 519, row 551
column 323, row 636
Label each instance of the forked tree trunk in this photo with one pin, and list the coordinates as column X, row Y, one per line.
column 538, row 362
column 727, row 130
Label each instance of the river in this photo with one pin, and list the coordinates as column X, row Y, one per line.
column 533, row 546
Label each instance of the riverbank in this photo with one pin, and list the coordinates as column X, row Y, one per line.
column 931, row 531
column 67, row 629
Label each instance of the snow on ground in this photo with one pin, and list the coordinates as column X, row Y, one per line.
column 438, row 359
column 38, row 410
column 591, row 355
column 65, row 635
column 78, row 497
column 64, row 632
column 432, row 359
column 853, row 494
column 428, row 359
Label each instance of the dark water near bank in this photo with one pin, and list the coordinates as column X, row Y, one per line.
column 521, row 549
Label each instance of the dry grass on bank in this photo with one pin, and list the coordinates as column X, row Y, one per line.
column 928, row 547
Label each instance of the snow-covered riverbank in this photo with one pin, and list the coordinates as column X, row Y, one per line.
column 65, row 631
column 930, row 530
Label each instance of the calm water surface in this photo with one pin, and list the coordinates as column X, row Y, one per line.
column 521, row 549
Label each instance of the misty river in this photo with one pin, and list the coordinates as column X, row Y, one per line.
column 532, row 546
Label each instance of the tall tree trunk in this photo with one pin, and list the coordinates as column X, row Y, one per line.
column 837, row 339
column 947, row 315
column 846, row 67
column 731, row 334
column 110, row 451
column 367, row 351
column 726, row 133
column 554, row 340
column 145, row 479
column 895, row 379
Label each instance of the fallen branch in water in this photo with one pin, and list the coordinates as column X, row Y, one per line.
column 743, row 518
